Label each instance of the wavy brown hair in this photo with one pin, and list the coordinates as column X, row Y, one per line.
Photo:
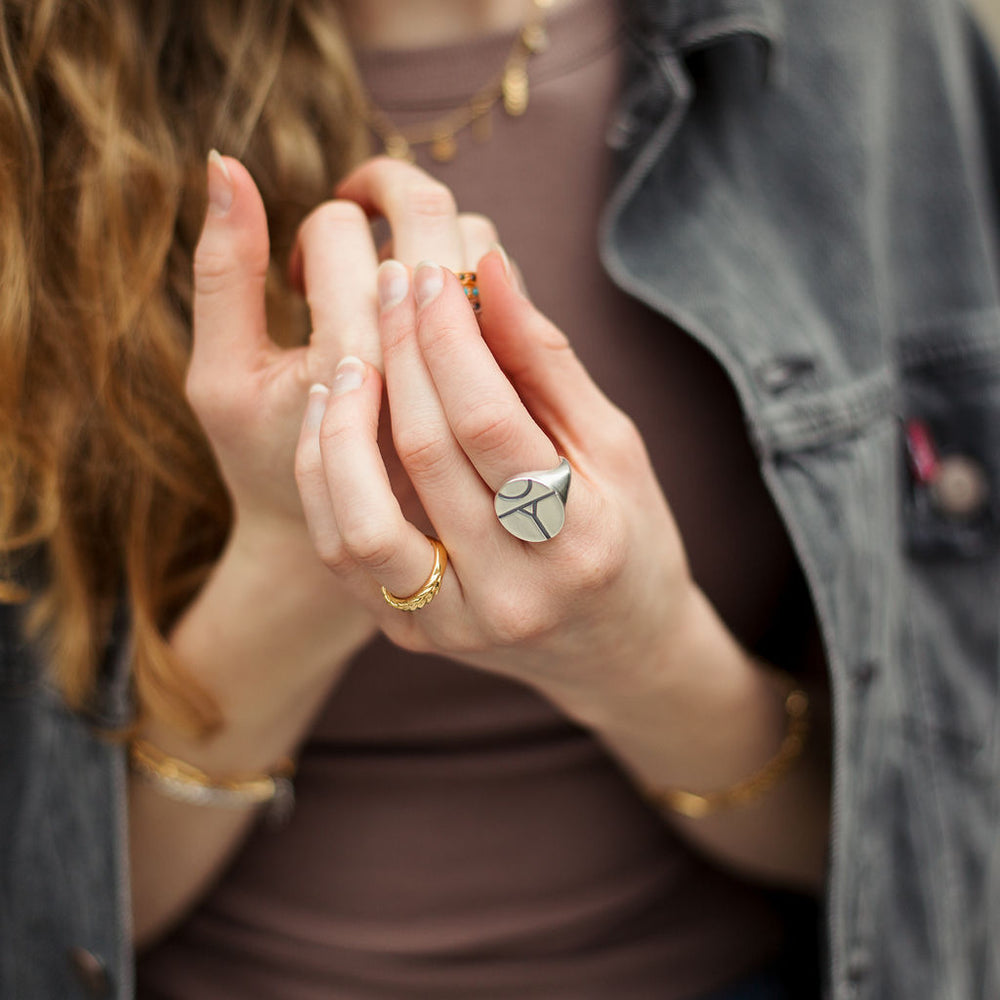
column 108, row 108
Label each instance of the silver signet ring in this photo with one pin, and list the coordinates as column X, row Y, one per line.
column 532, row 505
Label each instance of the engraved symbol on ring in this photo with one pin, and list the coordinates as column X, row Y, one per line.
column 532, row 505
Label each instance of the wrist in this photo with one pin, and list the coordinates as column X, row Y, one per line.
column 267, row 635
column 276, row 557
column 679, row 654
column 701, row 713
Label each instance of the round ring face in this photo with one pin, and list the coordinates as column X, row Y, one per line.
column 530, row 507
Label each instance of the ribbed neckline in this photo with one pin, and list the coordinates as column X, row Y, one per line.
column 436, row 78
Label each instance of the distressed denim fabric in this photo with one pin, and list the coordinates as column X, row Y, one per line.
column 64, row 906
column 808, row 188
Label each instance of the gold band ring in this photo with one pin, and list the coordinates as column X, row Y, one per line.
column 470, row 285
column 429, row 590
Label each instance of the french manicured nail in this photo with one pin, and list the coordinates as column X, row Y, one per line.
column 428, row 280
column 220, row 185
column 316, row 407
column 393, row 284
column 513, row 278
column 349, row 375
column 508, row 270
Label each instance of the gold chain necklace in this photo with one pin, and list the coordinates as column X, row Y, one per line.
column 509, row 86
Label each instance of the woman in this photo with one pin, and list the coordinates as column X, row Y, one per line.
column 461, row 829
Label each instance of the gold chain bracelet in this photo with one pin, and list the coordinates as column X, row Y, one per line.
column 183, row 782
column 697, row 806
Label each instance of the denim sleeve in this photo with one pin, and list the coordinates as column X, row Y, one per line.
column 62, row 898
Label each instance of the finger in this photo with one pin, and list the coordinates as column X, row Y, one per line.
column 338, row 264
column 478, row 236
column 435, row 463
column 371, row 527
column 311, row 480
column 316, row 502
column 540, row 362
column 485, row 414
column 421, row 210
column 230, row 270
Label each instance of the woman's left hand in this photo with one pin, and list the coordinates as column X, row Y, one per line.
column 604, row 618
column 471, row 405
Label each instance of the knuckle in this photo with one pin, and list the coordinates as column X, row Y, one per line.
column 334, row 434
column 421, row 454
column 331, row 217
column 212, row 266
column 554, row 340
column 487, row 427
column 598, row 562
column 516, row 622
column 429, row 199
column 333, row 553
column 372, row 545
column 437, row 337
column 218, row 266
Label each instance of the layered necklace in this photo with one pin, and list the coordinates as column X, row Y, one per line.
column 508, row 88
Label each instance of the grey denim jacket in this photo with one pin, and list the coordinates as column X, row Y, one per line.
column 808, row 187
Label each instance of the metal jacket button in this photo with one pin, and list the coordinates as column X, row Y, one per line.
column 90, row 972
column 960, row 488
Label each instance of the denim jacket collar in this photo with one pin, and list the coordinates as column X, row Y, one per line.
column 683, row 25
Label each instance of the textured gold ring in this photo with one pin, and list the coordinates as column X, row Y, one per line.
column 470, row 285
column 428, row 591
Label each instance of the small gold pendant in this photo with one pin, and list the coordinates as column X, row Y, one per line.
column 535, row 38
column 398, row 148
column 444, row 147
column 515, row 91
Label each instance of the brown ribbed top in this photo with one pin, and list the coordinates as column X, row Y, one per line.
column 454, row 836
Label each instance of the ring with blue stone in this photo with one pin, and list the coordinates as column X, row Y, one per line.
column 470, row 285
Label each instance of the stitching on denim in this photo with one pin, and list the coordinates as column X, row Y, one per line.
column 980, row 350
column 828, row 417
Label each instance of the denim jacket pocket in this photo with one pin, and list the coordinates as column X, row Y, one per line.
column 951, row 523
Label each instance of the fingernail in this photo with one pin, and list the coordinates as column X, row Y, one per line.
column 508, row 270
column 349, row 375
column 428, row 280
column 393, row 284
column 513, row 279
column 220, row 185
column 316, row 407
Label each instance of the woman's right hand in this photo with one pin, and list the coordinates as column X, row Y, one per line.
column 271, row 631
column 248, row 393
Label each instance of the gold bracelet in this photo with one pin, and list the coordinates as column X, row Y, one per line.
column 184, row 782
column 744, row 792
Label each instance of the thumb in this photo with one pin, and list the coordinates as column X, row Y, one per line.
column 230, row 269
